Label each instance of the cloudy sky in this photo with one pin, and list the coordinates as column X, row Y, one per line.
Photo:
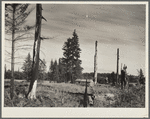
column 113, row 26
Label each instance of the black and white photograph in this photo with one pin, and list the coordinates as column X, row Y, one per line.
column 75, row 59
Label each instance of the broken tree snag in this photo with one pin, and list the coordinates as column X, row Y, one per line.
column 36, row 49
column 117, row 76
column 120, row 74
column 85, row 103
column 95, row 64
column 12, row 54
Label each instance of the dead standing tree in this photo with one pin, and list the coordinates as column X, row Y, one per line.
column 85, row 103
column 36, row 49
column 117, row 76
column 15, row 16
column 95, row 64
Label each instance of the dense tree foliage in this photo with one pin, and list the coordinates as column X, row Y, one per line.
column 71, row 57
column 62, row 71
column 27, row 68
column 50, row 72
column 42, row 70
column 141, row 77
column 54, row 73
column 101, row 77
column 17, row 75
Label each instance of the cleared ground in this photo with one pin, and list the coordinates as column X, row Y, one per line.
column 72, row 95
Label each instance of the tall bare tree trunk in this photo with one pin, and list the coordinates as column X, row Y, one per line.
column 117, row 76
column 18, row 73
column 5, row 72
column 36, row 49
column 95, row 64
column 120, row 74
column 85, row 103
column 12, row 55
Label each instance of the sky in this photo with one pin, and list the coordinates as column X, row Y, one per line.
column 113, row 26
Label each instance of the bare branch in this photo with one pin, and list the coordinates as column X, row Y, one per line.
column 23, row 49
column 10, row 10
column 7, row 52
column 8, row 17
column 42, row 62
column 42, row 38
column 44, row 18
column 8, row 39
column 25, row 45
column 8, row 23
column 26, row 33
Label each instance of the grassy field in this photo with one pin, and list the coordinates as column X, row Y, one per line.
column 72, row 95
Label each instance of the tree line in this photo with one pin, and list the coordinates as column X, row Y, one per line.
column 57, row 74
column 67, row 68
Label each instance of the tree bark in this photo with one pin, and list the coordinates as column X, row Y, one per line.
column 95, row 64
column 36, row 49
column 12, row 54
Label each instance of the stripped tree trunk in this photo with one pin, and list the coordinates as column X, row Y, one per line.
column 95, row 64
column 5, row 72
column 85, row 103
column 36, row 49
column 12, row 54
column 120, row 74
column 117, row 76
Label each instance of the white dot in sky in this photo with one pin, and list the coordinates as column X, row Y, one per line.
column 87, row 16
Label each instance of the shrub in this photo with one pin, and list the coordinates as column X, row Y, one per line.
column 134, row 97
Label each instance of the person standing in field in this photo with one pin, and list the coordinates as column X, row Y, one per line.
column 123, row 77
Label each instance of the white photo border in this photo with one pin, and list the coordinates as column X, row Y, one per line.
column 39, row 112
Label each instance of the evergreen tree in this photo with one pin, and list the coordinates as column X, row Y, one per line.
column 56, row 72
column 71, row 58
column 27, row 67
column 42, row 69
column 51, row 66
column 61, row 69
column 8, row 74
column 51, row 69
column 141, row 77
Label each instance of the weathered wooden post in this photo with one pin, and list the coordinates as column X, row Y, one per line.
column 95, row 64
column 117, row 76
